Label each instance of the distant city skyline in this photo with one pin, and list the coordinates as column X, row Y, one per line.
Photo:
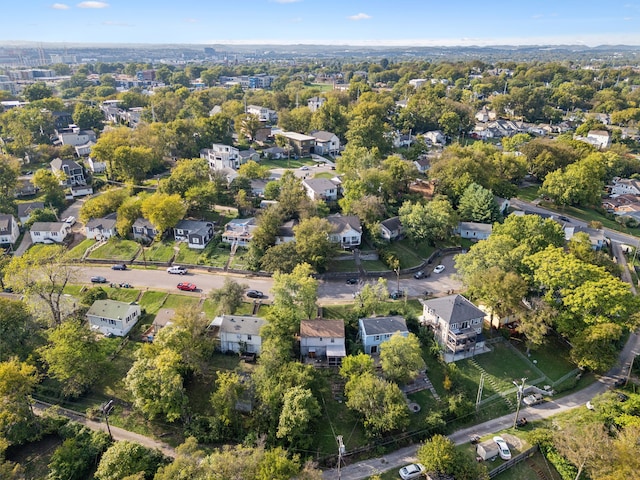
column 328, row 22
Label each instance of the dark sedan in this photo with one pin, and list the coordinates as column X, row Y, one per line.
column 255, row 294
column 98, row 280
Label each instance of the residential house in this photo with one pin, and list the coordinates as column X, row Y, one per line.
column 246, row 155
column 327, row 143
column 347, row 230
column 144, row 230
column 391, row 229
column 435, row 137
column 286, row 232
column 322, row 339
column 196, row 233
column 596, row 237
column 257, row 187
column 162, row 319
column 113, row 318
column 401, row 140
column 9, row 231
column 422, row 164
column 95, row 166
column 221, row 156
column 600, row 139
column 417, row 82
column 238, row 333
column 264, row 114
column 320, row 189
column 101, row 228
column 25, row 188
column 84, row 149
column 74, row 136
column 239, row 231
column 26, row 209
column 49, row 232
column 485, row 115
column 457, row 324
column 624, row 186
column 474, row 230
column 275, row 153
column 302, row 145
column 315, row 103
column 72, row 172
column 374, row 331
column 78, row 191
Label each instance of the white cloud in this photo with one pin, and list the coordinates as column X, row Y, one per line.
column 60, row 6
column 360, row 16
column 92, row 5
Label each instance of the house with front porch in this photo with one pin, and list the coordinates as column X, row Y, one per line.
column 239, row 231
column 374, row 331
column 49, row 232
column 238, row 333
column 101, row 228
column 457, row 325
column 72, row 172
column 323, row 340
column 347, row 230
column 113, row 318
column 196, row 233
column 144, row 230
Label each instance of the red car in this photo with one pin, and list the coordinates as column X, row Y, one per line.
column 189, row 287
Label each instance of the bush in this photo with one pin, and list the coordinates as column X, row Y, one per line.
column 93, row 294
column 566, row 470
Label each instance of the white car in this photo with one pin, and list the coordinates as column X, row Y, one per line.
column 439, row 269
column 503, row 448
column 409, row 472
column 177, row 270
column 533, row 399
column 304, row 167
column 70, row 220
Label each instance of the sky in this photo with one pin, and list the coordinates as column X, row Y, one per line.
column 334, row 22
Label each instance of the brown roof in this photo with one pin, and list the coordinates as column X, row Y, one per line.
column 321, row 327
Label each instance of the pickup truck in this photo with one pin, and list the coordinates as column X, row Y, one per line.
column 533, row 399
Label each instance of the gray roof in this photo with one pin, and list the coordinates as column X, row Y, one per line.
column 57, row 163
column 392, row 223
column 47, row 226
column 323, row 135
column 242, row 324
column 476, row 227
column 341, row 222
column 111, row 309
column 193, row 226
column 6, row 223
column 453, row 308
column 143, row 222
column 286, row 229
column 107, row 222
column 319, row 185
column 25, row 209
column 164, row 317
column 382, row 325
column 247, row 153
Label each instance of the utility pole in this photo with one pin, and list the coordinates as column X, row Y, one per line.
column 341, row 451
column 520, row 393
column 106, row 410
column 480, row 388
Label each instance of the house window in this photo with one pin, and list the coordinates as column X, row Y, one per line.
column 333, row 340
column 112, row 321
column 195, row 240
column 465, row 325
column 249, row 337
column 377, row 337
column 320, row 339
column 36, row 234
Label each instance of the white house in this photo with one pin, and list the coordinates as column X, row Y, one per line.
column 74, row 136
column 49, row 232
column 347, row 230
column 315, row 103
column 417, row 82
column 435, row 137
column 391, row 229
column 474, row 230
column 239, row 231
column 596, row 237
column 286, row 232
column 599, row 138
column 113, row 318
column 9, row 231
column 320, row 189
column 323, row 339
column 457, row 325
column 221, row 156
column 327, row 143
column 623, row 186
column 264, row 114
column 101, row 228
column 238, row 333
column 196, row 233
column 95, row 166
column 376, row 330
column 85, row 149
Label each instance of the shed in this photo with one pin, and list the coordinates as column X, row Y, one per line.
column 487, row 450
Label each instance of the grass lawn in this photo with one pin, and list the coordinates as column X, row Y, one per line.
column 210, row 308
column 528, row 469
column 152, row 301
column 591, row 214
column 552, row 357
column 342, row 266
column 529, row 193
column 116, row 249
column 77, row 252
column 239, row 261
column 285, row 163
column 324, row 175
column 324, row 87
column 216, row 256
column 407, row 257
column 73, row 290
column 122, row 294
column 175, row 301
column 422, row 250
column 159, row 252
column 187, row 255
column 374, row 266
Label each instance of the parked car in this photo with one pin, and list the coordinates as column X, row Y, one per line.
column 503, row 448
column 177, row 270
column 119, row 266
column 420, row 274
column 439, row 269
column 304, row 167
column 352, row 281
column 187, row 287
column 564, row 219
column 396, row 295
column 70, row 220
column 411, row 472
column 98, row 279
column 255, row 294
column 534, row 399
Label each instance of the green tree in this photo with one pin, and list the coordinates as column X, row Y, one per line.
column 17, row 381
column 163, row 211
column 331, row 117
column 313, row 242
column 595, row 347
column 229, row 389
column 373, row 296
column 281, row 258
column 187, row 173
column 86, row 116
column 438, row 454
column 380, row 403
column 247, row 125
column 9, row 172
column 127, row 458
column 102, row 205
column 18, row 330
column 401, row 358
column 73, row 357
column 187, row 465
column 356, row 365
column 253, row 170
column 128, row 212
column 49, row 185
column 430, row 222
column 500, row 290
column 297, row 290
column 130, row 164
column 41, row 215
column 42, row 275
column 299, row 410
column 296, row 120
column 477, row 204
column 37, row 91
column 76, row 457
column 229, row 297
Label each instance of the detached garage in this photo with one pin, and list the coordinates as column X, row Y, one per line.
column 487, row 450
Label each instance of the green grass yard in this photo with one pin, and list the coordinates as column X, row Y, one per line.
column 122, row 294
column 529, row 193
column 287, row 163
column 187, row 255
column 175, row 301
column 116, row 249
column 407, row 256
column 159, row 252
column 152, row 301
column 77, row 252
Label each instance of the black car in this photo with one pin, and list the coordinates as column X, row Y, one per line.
column 255, row 294
column 396, row 295
column 98, row 280
column 119, row 266
column 352, row 281
column 420, row 274
column 564, row 219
